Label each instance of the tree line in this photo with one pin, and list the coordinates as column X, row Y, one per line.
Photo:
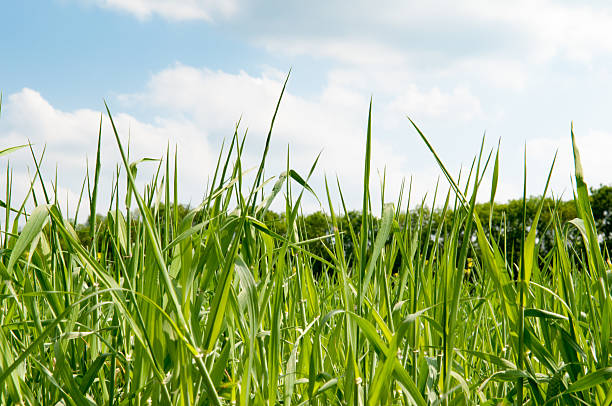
column 504, row 224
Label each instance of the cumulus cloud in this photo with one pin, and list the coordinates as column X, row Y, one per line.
column 194, row 108
column 206, row 10
column 70, row 137
column 332, row 121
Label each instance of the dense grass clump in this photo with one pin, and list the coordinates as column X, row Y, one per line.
column 215, row 307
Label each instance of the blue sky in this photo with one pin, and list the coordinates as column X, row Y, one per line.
column 184, row 71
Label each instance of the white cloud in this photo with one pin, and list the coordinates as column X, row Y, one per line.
column 577, row 31
column 350, row 51
column 71, row 137
column 498, row 71
column 531, row 31
column 194, row 108
column 333, row 120
column 173, row 9
column 545, row 28
column 460, row 103
column 197, row 107
column 498, row 44
column 594, row 147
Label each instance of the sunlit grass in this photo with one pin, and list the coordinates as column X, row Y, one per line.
column 214, row 307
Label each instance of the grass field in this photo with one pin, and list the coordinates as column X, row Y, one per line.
column 216, row 308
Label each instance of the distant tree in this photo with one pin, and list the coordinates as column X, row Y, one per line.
column 601, row 204
column 316, row 225
column 276, row 222
column 506, row 226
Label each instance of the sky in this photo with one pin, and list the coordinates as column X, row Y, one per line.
column 184, row 72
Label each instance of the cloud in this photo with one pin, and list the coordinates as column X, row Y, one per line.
column 460, row 102
column 495, row 45
column 215, row 99
column 333, row 120
column 540, row 152
column 195, row 108
column 70, row 137
column 594, row 147
column 442, row 30
column 176, row 10
column 542, row 28
column 345, row 50
column 577, row 32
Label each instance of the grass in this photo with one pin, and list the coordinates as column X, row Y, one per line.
column 214, row 307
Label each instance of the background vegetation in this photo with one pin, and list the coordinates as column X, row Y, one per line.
column 506, row 221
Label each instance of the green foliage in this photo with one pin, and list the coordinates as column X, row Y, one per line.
column 506, row 225
column 230, row 303
column 601, row 204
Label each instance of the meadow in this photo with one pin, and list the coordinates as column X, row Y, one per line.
column 214, row 307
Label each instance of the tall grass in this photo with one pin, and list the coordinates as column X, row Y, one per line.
column 214, row 307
